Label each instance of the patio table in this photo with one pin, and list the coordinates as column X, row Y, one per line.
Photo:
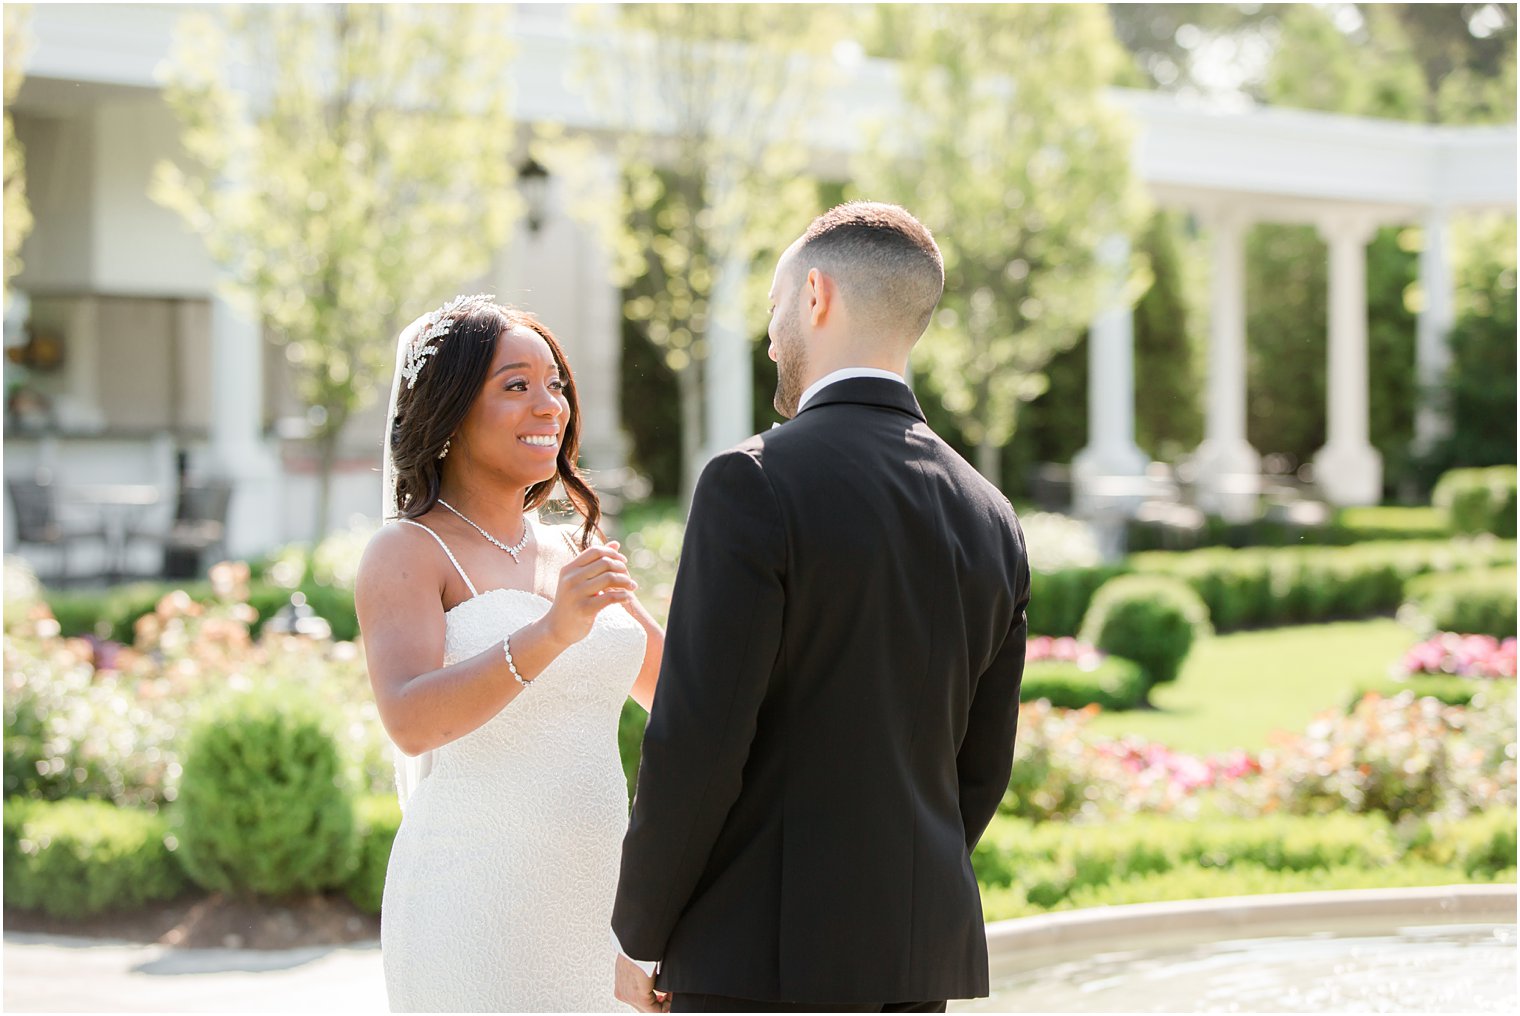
column 120, row 508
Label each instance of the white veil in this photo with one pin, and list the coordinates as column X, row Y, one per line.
column 410, row 770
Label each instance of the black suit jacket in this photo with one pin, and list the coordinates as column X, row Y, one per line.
column 835, row 718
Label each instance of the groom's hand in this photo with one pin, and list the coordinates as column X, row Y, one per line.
column 636, row 988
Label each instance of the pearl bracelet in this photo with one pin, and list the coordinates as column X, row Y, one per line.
column 506, row 649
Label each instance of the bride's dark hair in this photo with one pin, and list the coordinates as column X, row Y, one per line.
column 447, row 385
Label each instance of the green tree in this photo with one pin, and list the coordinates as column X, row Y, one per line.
column 709, row 98
column 1009, row 146
column 18, row 216
column 1176, row 47
column 360, row 175
column 1480, row 387
column 1318, row 66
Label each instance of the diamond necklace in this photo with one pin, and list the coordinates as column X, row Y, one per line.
column 514, row 551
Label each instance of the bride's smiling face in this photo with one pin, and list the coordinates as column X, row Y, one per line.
column 517, row 422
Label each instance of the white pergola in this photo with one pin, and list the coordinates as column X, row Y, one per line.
column 94, row 66
column 1346, row 176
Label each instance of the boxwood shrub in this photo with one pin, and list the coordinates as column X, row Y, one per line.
column 1150, row 619
column 263, row 807
column 1478, row 500
column 377, row 818
column 1115, row 683
column 113, row 613
column 79, row 858
column 1470, row 603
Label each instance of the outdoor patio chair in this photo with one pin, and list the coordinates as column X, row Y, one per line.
column 198, row 531
column 40, row 523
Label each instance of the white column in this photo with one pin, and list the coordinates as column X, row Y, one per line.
column 1111, row 461
column 1432, row 354
column 1227, row 467
column 1348, row 469
column 599, row 349
column 238, row 452
column 730, row 384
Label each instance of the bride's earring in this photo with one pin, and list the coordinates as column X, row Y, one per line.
column 445, row 453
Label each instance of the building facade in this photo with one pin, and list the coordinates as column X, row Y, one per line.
column 153, row 370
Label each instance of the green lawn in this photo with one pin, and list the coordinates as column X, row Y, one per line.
column 1235, row 690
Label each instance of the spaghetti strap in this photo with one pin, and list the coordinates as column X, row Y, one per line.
column 452, row 559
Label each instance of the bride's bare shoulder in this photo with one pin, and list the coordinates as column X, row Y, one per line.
column 398, row 551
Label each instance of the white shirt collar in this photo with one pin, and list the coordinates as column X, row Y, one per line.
column 842, row 375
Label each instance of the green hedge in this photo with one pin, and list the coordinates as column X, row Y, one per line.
column 377, row 817
column 80, row 858
column 1193, row 882
column 1478, row 500
column 263, row 807
column 1446, row 688
column 1115, row 684
column 1257, row 588
column 1470, row 603
column 1271, row 586
column 113, row 613
column 1349, row 526
column 1028, row 867
column 1151, row 619
column 1059, row 599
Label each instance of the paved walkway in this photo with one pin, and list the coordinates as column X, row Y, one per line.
column 52, row 973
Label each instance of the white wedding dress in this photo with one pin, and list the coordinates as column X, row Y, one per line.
column 501, row 881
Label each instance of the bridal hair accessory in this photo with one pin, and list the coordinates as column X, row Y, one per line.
column 436, row 325
column 514, row 551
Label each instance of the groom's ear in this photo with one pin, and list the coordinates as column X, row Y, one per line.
column 819, row 293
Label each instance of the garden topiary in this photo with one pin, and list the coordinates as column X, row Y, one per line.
column 262, row 805
column 1479, row 602
column 79, row 858
column 1151, row 619
column 1478, row 500
column 377, row 818
column 1111, row 683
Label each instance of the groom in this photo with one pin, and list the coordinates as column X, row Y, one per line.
column 834, row 723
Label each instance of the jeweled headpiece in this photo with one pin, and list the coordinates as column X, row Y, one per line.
column 435, row 325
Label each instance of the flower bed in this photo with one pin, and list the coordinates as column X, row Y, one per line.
column 1475, row 656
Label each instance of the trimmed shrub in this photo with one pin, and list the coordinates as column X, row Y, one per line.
column 1350, row 526
column 1445, row 688
column 377, row 817
column 1478, row 500
column 1153, row 620
column 1270, row 586
column 262, row 805
column 1059, row 599
column 1115, row 683
column 1199, row 882
column 1053, row 865
column 1480, row 845
column 1250, row 588
column 1472, row 603
column 79, row 858
column 113, row 613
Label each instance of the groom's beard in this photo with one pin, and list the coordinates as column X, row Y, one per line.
column 791, row 368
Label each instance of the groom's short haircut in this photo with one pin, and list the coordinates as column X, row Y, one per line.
column 885, row 262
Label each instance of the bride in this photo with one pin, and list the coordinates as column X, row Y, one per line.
column 500, row 650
